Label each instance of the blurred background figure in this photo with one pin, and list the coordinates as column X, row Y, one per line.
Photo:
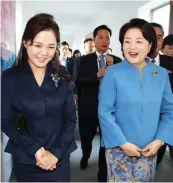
column 76, row 54
column 167, row 47
column 70, row 53
column 109, row 50
column 89, row 46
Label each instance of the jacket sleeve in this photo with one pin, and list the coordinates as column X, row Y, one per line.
column 65, row 138
column 25, row 143
column 111, row 132
column 165, row 128
column 84, row 76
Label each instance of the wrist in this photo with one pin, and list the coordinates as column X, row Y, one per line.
column 160, row 142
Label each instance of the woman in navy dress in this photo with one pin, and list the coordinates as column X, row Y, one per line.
column 38, row 109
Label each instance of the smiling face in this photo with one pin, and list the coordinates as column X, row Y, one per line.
column 42, row 50
column 135, row 46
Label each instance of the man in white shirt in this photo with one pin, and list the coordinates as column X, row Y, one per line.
column 64, row 46
column 160, row 34
column 160, row 61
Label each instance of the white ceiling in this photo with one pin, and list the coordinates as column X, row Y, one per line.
column 72, row 15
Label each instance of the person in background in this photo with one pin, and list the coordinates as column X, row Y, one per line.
column 89, row 46
column 76, row 54
column 132, row 96
column 38, row 111
column 155, row 56
column 167, row 47
column 70, row 52
column 164, row 62
column 90, row 73
column 110, row 50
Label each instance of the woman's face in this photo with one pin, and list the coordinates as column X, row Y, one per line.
column 135, row 46
column 42, row 51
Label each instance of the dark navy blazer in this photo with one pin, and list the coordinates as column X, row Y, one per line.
column 50, row 114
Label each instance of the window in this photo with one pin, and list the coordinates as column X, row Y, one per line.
column 161, row 16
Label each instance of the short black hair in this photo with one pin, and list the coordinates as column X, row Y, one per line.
column 75, row 52
column 110, row 49
column 145, row 27
column 64, row 43
column 88, row 39
column 70, row 50
column 105, row 27
column 168, row 40
column 154, row 24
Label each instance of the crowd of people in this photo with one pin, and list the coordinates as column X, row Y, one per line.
column 130, row 100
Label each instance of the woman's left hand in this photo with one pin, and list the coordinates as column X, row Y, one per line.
column 50, row 161
column 152, row 148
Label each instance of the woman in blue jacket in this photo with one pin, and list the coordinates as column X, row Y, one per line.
column 38, row 109
column 135, row 107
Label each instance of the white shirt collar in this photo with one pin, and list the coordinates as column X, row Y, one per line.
column 157, row 60
column 63, row 60
column 98, row 54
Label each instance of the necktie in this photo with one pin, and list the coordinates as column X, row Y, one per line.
column 101, row 61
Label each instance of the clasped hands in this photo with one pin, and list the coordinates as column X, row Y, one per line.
column 45, row 159
column 150, row 150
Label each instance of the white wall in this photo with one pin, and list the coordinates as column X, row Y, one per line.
column 114, row 17
column 145, row 10
column 114, row 14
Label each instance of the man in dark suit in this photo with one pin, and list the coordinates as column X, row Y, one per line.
column 163, row 61
column 90, row 72
column 66, row 61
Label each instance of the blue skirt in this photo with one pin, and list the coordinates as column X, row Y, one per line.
column 122, row 168
column 32, row 173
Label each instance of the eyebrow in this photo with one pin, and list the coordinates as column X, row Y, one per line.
column 41, row 43
column 136, row 38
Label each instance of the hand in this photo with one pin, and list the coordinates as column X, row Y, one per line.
column 73, row 84
column 50, row 161
column 101, row 72
column 109, row 60
column 152, row 148
column 39, row 157
column 76, row 97
column 131, row 149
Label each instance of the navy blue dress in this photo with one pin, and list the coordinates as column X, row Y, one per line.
column 51, row 120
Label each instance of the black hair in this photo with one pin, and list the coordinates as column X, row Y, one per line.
column 88, row 39
column 168, row 40
column 64, row 43
column 105, row 27
column 40, row 22
column 154, row 24
column 145, row 27
column 110, row 49
column 75, row 52
column 70, row 50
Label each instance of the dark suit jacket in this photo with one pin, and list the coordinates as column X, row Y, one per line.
column 167, row 63
column 49, row 111
column 88, row 84
column 69, row 66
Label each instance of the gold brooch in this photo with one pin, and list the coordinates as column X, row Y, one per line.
column 155, row 73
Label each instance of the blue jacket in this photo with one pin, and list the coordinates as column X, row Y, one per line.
column 135, row 110
column 50, row 114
